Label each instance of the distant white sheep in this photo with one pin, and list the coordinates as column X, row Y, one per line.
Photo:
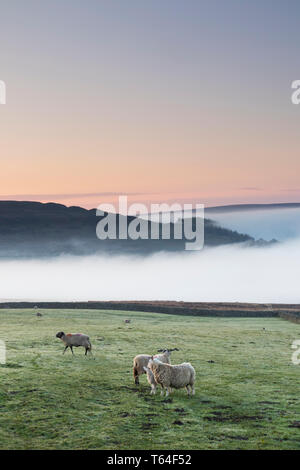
column 141, row 361
column 74, row 340
column 177, row 376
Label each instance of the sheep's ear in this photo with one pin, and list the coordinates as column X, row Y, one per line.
column 160, row 350
column 145, row 369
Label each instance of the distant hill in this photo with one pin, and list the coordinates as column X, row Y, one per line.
column 33, row 229
column 251, row 207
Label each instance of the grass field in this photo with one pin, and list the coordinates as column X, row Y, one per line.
column 247, row 398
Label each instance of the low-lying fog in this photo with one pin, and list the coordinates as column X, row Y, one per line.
column 282, row 224
column 228, row 273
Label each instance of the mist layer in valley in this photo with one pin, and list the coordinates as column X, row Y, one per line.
column 232, row 273
column 280, row 224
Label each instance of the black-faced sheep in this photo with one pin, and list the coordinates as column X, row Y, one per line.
column 74, row 340
column 177, row 376
column 141, row 361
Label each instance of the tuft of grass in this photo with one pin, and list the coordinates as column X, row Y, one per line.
column 247, row 389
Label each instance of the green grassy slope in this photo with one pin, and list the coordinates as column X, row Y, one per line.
column 248, row 398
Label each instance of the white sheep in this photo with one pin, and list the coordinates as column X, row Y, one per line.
column 177, row 376
column 74, row 340
column 141, row 361
column 151, row 380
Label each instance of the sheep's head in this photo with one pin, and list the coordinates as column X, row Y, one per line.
column 153, row 361
column 150, row 362
column 167, row 350
column 60, row 334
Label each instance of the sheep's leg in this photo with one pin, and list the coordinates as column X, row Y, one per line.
column 167, row 392
column 162, row 390
column 153, row 390
column 193, row 389
column 65, row 349
column 71, row 347
column 187, row 389
column 88, row 348
column 136, row 376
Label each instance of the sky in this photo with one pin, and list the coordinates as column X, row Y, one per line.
column 162, row 101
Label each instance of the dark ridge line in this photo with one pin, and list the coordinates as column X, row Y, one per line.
column 289, row 312
column 252, row 207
